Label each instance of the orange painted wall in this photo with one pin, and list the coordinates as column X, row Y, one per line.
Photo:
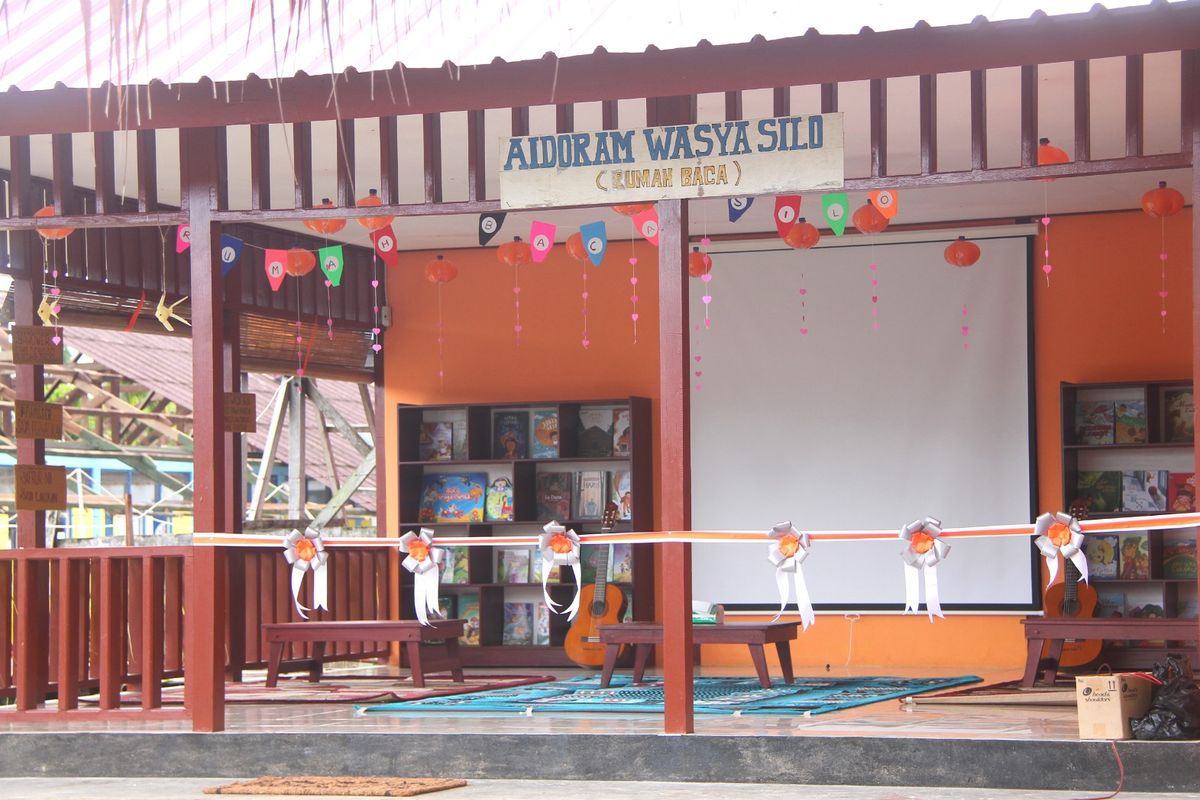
column 1096, row 322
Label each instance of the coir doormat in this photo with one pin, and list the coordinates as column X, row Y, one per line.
column 713, row 696
column 337, row 786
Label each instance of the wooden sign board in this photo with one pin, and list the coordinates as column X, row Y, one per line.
column 240, row 412
column 36, row 420
column 34, row 344
column 41, row 488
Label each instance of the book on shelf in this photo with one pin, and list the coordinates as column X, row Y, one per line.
column 622, row 562
column 1187, row 607
column 622, row 425
column 1144, row 490
column 541, row 624
column 1101, row 490
column 512, row 565
column 553, row 493
column 459, row 448
column 435, row 441
column 1110, row 603
column 449, row 604
column 452, row 497
column 543, row 443
column 1179, row 555
column 590, row 494
column 1129, row 422
column 518, row 623
column 1181, row 492
column 621, row 492
column 591, row 558
column 1180, row 406
column 1094, row 422
column 468, row 611
column 1134, row 558
column 499, row 504
column 535, row 569
column 1101, row 550
column 455, row 564
column 595, row 432
column 510, row 431
column 628, row 615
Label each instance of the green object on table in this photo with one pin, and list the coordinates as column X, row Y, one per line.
column 704, row 619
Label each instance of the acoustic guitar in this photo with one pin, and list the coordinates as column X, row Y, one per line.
column 599, row 604
column 1070, row 598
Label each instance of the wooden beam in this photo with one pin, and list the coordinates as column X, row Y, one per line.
column 978, row 119
column 878, row 93
column 1134, row 104
column 476, row 158
column 1083, row 111
column 327, row 450
column 106, row 198
column 364, row 395
column 274, row 428
column 260, row 166
column 781, row 101
column 520, row 121
column 733, row 105
column 333, row 415
column 1029, row 115
column 147, row 169
column 564, row 118
column 297, row 468
column 928, row 123
column 829, row 98
column 302, row 163
column 431, row 126
column 345, row 163
column 389, row 160
column 345, row 491
column 1189, row 104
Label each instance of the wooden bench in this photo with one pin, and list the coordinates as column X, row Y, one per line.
column 645, row 635
column 410, row 632
column 1055, row 630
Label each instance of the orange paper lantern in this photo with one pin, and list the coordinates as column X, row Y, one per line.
column 632, row 209
column 440, row 270
column 325, row 226
column 372, row 223
column 803, row 235
column 1163, row 201
column 699, row 263
column 868, row 219
column 514, row 253
column 1049, row 154
column 51, row 233
column 300, row 262
column 961, row 252
column 575, row 247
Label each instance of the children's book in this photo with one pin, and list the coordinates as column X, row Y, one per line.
column 544, row 441
column 436, row 441
column 591, row 494
column 1181, row 492
column 1110, row 603
column 1101, row 490
column 468, row 610
column 499, row 505
column 1180, row 405
column 449, row 606
column 622, row 558
column 1094, row 422
column 554, row 496
column 1101, row 550
column 595, row 432
column 621, row 493
column 622, row 426
column 452, row 497
column 1130, row 422
column 591, row 558
column 518, row 623
column 510, row 431
column 512, row 565
column 455, row 564
column 1135, row 556
column 535, row 569
column 1179, row 555
column 541, row 624
column 459, row 448
column 1144, row 490
column 1187, row 607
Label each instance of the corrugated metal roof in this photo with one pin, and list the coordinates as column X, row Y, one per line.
column 183, row 41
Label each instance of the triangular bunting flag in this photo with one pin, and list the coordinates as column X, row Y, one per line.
column 787, row 211
column 647, row 224
column 231, row 251
column 885, row 201
column 385, row 245
column 541, row 239
column 739, row 206
column 332, row 263
column 836, row 208
column 183, row 238
column 489, row 226
column 595, row 240
column 274, row 263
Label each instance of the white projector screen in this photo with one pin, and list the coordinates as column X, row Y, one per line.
column 847, row 427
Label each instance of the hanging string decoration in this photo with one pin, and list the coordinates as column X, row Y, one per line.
column 325, row 226
column 384, row 240
column 333, row 262
column 869, row 221
column 635, row 211
column 700, row 266
column 836, row 210
column 49, row 308
column 1162, row 202
column 439, row 271
column 489, row 226
column 739, row 206
column 962, row 253
column 1048, row 154
column 577, row 249
column 541, row 239
column 514, row 254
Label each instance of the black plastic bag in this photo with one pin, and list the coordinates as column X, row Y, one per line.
column 1175, row 706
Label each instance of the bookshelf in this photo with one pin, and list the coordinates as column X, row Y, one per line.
column 476, row 440
column 1127, row 450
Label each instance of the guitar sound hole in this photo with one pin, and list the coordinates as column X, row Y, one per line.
column 598, row 609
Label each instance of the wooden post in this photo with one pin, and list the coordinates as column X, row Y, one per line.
column 1195, row 123
column 129, row 520
column 234, row 470
column 297, row 475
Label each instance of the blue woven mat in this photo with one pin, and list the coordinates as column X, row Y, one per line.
column 713, row 695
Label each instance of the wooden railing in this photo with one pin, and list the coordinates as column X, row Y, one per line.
column 94, row 632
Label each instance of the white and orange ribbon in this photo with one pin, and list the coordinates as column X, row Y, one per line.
column 1060, row 533
column 787, row 551
column 421, row 560
column 558, row 546
column 924, row 551
column 306, row 553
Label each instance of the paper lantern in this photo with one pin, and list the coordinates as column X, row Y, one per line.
column 1163, row 201
column 961, row 252
column 51, row 233
column 514, row 253
column 439, row 270
column 802, row 235
column 630, row 209
column 300, row 262
column 373, row 223
column 1049, row 154
column 325, row 226
column 576, row 248
column 868, row 219
column 699, row 263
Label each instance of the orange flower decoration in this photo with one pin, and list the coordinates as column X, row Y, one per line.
column 922, row 542
column 1059, row 534
column 789, row 544
column 306, row 550
column 561, row 543
column 418, row 550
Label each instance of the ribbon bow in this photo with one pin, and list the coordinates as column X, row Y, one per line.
column 421, row 560
column 787, row 551
column 559, row 546
column 1060, row 533
column 925, row 549
column 305, row 551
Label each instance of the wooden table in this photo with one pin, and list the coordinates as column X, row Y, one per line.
column 1055, row 630
column 410, row 632
column 645, row 635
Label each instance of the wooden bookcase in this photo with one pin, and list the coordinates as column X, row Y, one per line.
column 474, row 450
column 1157, row 592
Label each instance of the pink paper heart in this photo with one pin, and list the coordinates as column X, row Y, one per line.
column 328, row 284
column 1160, row 294
column 804, row 331
column 585, row 343
column 1162, row 313
column 374, row 284
column 874, row 282
column 874, row 311
column 57, row 308
column 516, row 290
column 376, row 347
column 1045, row 220
column 56, row 291
column 966, row 329
column 705, row 242
column 440, row 340
column 874, row 326
column 584, row 295
column 697, row 386
column 1162, row 256
column 518, row 328
column 697, row 358
column 329, row 322
column 1046, row 268
column 1046, row 252
column 299, row 339
column 300, row 370
column 874, row 298
column 699, row 373
column 54, row 274
column 56, row 339
column 633, row 261
column 707, row 299
column 706, row 277
column 516, row 303
column 373, row 330
column 872, row 267
column 803, row 292
column 708, row 323
column 633, row 317
column 633, row 280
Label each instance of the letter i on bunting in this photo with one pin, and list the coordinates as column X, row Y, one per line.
column 273, row 264
column 1060, row 533
column 787, row 552
column 787, row 211
column 421, row 560
column 306, row 553
column 924, row 551
column 332, row 264
column 541, row 239
column 559, row 546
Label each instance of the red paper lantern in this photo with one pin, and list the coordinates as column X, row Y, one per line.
column 961, row 252
column 631, row 209
column 803, row 234
column 1049, row 154
column 1163, row 201
column 373, row 223
column 699, row 263
column 51, row 233
column 514, row 253
column 439, row 270
column 300, row 262
column 868, row 219
column 325, row 226
column 575, row 247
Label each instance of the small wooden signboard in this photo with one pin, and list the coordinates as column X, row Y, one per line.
column 34, row 344
column 41, row 488
column 240, row 414
column 36, row 420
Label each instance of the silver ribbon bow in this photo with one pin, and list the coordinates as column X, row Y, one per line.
column 787, row 551
column 422, row 561
column 559, row 546
column 922, row 556
column 1072, row 548
column 306, row 552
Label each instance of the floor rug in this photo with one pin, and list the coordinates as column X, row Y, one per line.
column 337, row 786
column 713, row 696
column 1007, row 693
